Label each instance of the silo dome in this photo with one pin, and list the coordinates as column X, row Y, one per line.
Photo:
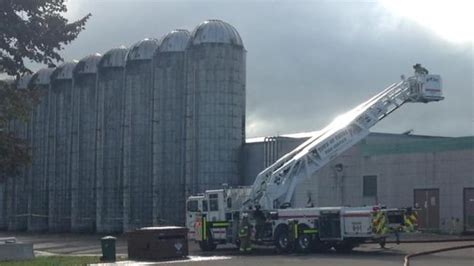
column 88, row 64
column 142, row 50
column 64, row 71
column 42, row 76
column 24, row 81
column 175, row 41
column 215, row 31
column 114, row 57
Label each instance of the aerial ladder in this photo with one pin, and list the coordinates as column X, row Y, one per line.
column 274, row 187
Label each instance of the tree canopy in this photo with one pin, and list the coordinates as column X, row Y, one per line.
column 34, row 31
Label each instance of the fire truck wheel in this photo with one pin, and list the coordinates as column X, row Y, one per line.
column 304, row 243
column 282, row 240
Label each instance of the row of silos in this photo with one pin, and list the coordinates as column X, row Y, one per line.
column 120, row 140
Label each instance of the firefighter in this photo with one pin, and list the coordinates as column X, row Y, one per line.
column 420, row 70
column 244, row 234
column 259, row 217
column 409, row 220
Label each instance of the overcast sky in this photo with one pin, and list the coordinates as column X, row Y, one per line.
column 308, row 61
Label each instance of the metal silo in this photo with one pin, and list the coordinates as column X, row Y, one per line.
column 83, row 144
column 5, row 188
column 9, row 181
column 59, row 148
column 110, row 92
column 137, row 173
column 38, row 196
column 168, row 128
column 18, row 183
column 3, row 200
column 215, row 116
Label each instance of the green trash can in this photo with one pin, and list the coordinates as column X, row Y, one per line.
column 108, row 248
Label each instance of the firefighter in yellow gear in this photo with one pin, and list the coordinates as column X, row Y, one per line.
column 244, row 234
column 410, row 220
column 379, row 222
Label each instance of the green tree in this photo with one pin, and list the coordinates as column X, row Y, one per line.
column 34, row 31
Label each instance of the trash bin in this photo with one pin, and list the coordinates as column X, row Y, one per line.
column 108, row 248
column 158, row 243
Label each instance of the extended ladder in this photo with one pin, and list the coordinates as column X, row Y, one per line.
column 274, row 187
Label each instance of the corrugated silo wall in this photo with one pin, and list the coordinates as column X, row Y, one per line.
column 3, row 198
column 83, row 153
column 215, row 115
column 17, row 184
column 109, row 150
column 138, row 198
column 38, row 198
column 168, row 138
column 59, row 125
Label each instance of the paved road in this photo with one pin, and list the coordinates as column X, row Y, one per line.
column 366, row 255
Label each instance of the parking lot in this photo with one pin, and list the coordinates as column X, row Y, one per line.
column 369, row 254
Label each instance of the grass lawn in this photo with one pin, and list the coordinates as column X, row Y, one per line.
column 53, row 261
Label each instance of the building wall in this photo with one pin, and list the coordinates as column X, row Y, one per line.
column 256, row 156
column 445, row 165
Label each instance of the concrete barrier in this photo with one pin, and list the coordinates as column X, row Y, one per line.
column 16, row 251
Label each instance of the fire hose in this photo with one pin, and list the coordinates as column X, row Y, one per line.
column 409, row 256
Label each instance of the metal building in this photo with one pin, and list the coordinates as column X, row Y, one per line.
column 137, row 149
column 38, row 196
column 169, row 104
column 59, row 131
column 215, row 116
column 110, row 105
column 17, row 186
column 83, row 141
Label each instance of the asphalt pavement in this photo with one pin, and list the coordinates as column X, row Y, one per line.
column 367, row 255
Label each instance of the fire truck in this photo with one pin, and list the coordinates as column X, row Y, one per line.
column 213, row 217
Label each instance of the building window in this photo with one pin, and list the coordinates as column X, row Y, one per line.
column 370, row 186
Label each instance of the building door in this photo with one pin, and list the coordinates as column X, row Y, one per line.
column 427, row 202
column 469, row 210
